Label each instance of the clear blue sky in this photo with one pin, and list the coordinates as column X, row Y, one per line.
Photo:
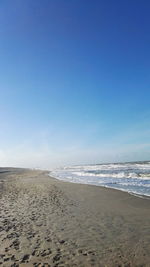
column 74, row 82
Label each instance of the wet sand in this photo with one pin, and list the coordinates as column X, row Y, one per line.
column 46, row 222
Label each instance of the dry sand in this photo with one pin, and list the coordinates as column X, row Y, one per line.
column 45, row 222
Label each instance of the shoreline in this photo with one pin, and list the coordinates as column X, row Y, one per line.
column 46, row 222
column 111, row 188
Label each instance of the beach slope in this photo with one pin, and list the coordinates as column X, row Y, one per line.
column 46, row 222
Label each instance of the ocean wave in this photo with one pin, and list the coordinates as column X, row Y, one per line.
column 130, row 177
column 134, row 175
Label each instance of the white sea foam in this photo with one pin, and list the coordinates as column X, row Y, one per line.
column 132, row 177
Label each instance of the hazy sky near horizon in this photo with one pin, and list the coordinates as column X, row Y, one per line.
column 74, row 82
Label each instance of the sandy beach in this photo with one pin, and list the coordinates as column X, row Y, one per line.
column 46, row 222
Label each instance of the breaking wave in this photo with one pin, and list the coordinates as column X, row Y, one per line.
column 131, row 177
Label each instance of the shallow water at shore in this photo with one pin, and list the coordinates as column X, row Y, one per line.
column 133, row 177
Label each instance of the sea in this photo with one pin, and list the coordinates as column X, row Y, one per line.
column 132, row 177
